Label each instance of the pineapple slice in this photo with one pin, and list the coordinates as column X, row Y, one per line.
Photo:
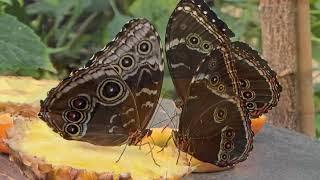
column 43, row 154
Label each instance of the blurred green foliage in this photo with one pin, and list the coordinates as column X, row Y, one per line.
column 315, row 28
column 73, row 30
column 63, row 34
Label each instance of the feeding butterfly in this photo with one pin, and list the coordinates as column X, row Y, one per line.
column 112, row 99
column 222, row 84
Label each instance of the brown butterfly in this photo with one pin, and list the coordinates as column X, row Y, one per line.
column 222, row 84
column 112, row 99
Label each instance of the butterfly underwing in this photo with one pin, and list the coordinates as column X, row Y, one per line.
column 193, row 32
column 112, row 99
column 214, row 125
column 222, row 85
column 258, row 82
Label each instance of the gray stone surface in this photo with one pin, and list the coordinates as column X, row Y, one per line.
column 9, row 170
column 278, row 154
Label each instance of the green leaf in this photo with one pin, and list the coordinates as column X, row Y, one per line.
column 167, row 90
column 7, row 1
column 318, row 121
column 315, row 51
column 21, row 49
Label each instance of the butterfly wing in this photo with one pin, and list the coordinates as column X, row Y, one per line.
column 137, row 55
column 93, row 105
column 193, row 31
column 259, row 84
column 214, row 125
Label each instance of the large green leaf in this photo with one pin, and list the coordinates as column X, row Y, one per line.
column 21, row 49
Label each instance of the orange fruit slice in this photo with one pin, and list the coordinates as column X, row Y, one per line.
column 5, row 123
column 258, row 123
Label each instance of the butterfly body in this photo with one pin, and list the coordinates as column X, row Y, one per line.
column 112, row 99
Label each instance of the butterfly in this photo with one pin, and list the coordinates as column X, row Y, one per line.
column 222, row 84
column 112, row 99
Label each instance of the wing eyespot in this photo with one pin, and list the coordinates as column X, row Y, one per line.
column 126, row 62
column 112, row 91
column 214, row 80
column 251, row 105
column 228, row 146
column 212, row 65
column 248, row 95
column 144, row 47
column 224, row 157
column 72, row 130
column 221, row 88
column 244, row 83
column 229, row 133
column 194, row 40
column 206, row 46
column 80, row 103
column 219, row 115
column 73, row 116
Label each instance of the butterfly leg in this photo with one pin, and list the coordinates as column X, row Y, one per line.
column 178, row 156
column 191, row 155
column 189, row 162
column 166, row 144
column 124, row 149
column 151, row 150
column 154, row 160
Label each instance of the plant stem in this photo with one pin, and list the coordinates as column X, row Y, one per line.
column 57, row 50
column 70, row 24
column 82, row 28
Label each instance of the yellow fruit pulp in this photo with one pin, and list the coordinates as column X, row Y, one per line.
column 24, row 89
column 35, row 138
